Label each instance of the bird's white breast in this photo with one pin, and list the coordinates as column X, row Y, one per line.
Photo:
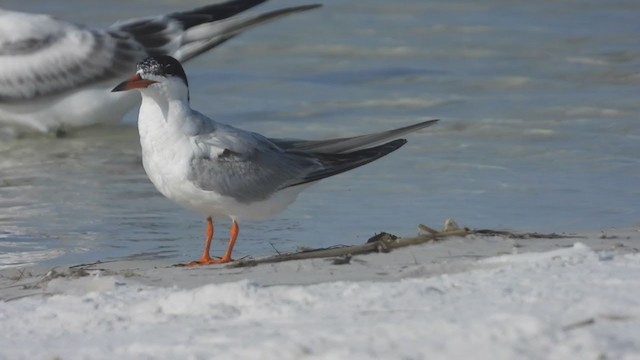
column 165, row 151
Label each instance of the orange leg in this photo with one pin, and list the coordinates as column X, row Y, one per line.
column 235, row 230
column 206, row 258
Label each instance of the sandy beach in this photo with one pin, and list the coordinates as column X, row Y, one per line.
column 538, row 131
column 486, row 297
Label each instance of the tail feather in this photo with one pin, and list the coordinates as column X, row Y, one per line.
column 334, row 164
column 342, row 145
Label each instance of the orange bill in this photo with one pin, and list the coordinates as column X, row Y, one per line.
column 135, row 82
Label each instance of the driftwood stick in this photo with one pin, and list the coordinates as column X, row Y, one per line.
column 427, row 230
column 382, row 243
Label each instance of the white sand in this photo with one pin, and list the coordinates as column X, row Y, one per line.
column 475, row 297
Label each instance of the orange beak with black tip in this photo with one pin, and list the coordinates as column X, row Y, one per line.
column 135, row 82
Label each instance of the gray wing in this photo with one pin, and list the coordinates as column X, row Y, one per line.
column 342, row 145
column 249, row 177
column 244, row 166
column 249, row 167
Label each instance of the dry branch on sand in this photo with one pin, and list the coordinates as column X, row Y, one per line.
column 385, row 242
column 382, row 242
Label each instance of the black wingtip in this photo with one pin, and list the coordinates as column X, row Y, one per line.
column 395, row 144
column 224, row 10
column 339, row 163
column 213, row 12
column 309, row 7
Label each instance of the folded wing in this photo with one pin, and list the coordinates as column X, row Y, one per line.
column 249, row 168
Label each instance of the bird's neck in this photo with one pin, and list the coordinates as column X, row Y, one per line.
column 170, row 107
column 160, row 114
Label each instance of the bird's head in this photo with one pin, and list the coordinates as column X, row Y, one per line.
column 158, row 75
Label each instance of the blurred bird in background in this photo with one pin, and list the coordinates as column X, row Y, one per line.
column 56, row 75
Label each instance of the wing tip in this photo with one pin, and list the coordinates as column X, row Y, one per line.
column 397, row 143
column 309, row 7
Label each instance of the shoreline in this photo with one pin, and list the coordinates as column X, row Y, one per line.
column 481, row 297
column 445, row 256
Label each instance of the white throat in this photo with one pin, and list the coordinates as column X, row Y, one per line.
column 165, row 144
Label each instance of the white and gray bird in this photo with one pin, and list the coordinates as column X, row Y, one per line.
column 218, row 170
column 56, row 74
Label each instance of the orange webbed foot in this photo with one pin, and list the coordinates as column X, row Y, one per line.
column 209, row 261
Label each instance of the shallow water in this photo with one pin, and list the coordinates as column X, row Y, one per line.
column 539, row 132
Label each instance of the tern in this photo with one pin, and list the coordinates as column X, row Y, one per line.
column 218, row 170
column 57, row 75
